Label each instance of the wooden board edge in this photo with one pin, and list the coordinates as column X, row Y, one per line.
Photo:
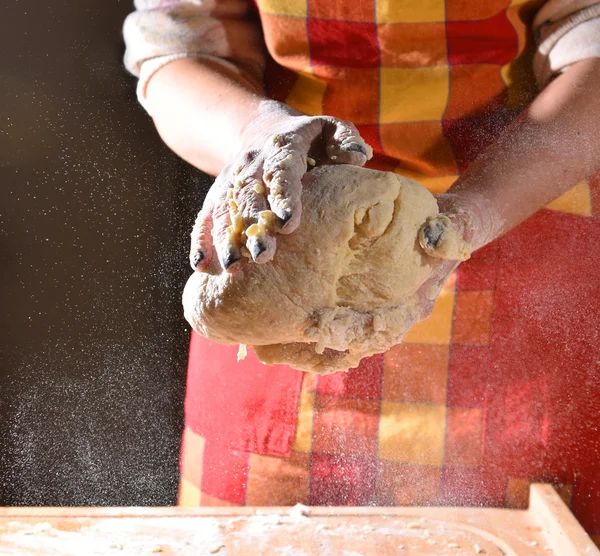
column 563, row 532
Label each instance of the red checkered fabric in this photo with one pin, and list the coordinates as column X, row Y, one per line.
column 428, row 84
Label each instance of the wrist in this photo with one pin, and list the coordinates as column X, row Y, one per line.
column 474, row 217
column 267, row 118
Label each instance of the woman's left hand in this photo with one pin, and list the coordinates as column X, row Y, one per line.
column 463, row 225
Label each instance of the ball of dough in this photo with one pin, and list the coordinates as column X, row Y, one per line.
column 341, row 287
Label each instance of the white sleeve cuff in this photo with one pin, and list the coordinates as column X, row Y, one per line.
column 575, row 39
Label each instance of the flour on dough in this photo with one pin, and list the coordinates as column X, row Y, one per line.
column 341, row 287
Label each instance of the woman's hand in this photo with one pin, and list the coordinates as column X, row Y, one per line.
column 257, row 195
column 464, row 224
column 542, row 154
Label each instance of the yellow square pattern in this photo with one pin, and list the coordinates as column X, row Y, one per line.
column 413, row 94
column 410, row 11
column 412, row 433
column 437, row 327
column 192, row 454
column 189, row 495
column 577, row 200
column 304, row 423
column 283, row 7
column 307, row 94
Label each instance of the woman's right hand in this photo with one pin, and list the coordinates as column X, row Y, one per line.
column 257, row 195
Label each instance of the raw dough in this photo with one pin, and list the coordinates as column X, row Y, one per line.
column 341, row 287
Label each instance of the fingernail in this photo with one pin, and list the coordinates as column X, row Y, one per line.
column 355, row 147
column 285, row 215
column 257, row 248
column 433, row 233
column 231, row 257
column 197, row 258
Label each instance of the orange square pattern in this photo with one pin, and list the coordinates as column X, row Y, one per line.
column 274, row 481
column 291, row 47
column 462, row 10
column 472, row 315
column 418, row 45
column 399, row 484
column 345, row 426
column 464, row 429
column 473, row 85
column 415, row 373
column 356, row 100
column 428, row 150
column 517, row 493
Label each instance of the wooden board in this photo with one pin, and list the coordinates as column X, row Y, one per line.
column 546, row 528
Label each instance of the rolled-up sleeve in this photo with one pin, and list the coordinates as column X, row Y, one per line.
column 566, row 31
column 160, row 31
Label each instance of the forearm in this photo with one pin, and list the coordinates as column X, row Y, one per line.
column 201, row 110
column 554, row 144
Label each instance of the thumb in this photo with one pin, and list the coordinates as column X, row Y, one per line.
column 442, row 237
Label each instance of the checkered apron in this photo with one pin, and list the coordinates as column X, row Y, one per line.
column 500, row 386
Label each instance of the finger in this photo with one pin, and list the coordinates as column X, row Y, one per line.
column 439, row 238
column 261, row 246
column 260, row 240
column 284, row 167
column 201, row 250
column 226, row 233
column 346, row 146
column 260, row 224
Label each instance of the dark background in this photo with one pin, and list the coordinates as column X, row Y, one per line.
column 95, row 214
